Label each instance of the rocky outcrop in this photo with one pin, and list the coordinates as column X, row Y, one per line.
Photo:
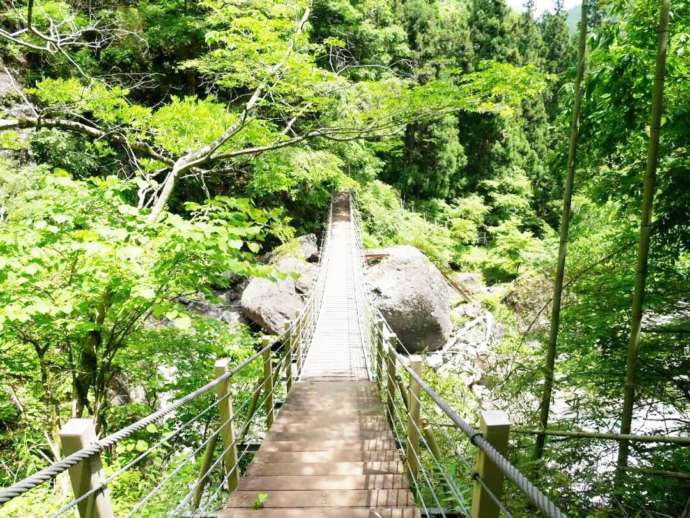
column 273, row 304
column 7, row 87
column 226, row 309
column 412, row 295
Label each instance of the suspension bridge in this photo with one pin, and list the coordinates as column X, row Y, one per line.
column 331, row 419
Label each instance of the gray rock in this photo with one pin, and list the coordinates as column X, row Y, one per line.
column 273, row 305
column 304, row 273
column 7, row 87
column 302, row 247
column 413, row 297
column 309, row 247
column 472, row 281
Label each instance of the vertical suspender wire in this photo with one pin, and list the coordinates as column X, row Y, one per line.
column 421, row 465
column 133, row 462
column 220, row 458
column 419, row 462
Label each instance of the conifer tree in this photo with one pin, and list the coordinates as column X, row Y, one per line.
column 488, row 23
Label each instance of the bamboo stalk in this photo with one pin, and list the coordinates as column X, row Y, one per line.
column 564, row 231
column 643, row 247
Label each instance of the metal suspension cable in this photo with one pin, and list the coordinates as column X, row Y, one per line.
column 172, row 434
column 222, row 482
column 207, row 472
column 193, row 453
column 234, row 443
column 398, row 417
column 423, row 438
column 186, row 459
column 437, row 462
column 133, row 462
column 492, row 495
column 240, row 437
column 532, row 492
column 419, row 463
column 46, row 474
column 456, row 492
column 509, row 470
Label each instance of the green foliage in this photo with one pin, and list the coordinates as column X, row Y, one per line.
column 260, row 500
column 107, row 104
column 489, row 31
column 462, row 108
column 387, row 223
column 433, row 149
column 512, row 250
column 81, row 269
column 66, row 151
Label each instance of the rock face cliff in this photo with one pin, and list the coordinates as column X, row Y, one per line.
column 413, row 297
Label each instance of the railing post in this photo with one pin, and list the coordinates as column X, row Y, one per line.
column 227, row 421
column 87, row 474
column 205, row 466
column 414, row 423
column 495, row 427
column 268, row 381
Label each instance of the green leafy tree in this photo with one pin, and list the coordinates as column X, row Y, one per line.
column 82, row 270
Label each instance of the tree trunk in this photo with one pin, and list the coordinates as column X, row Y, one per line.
column 87, row 377
column 51, row 433
column 643, row 248
column 563, row 245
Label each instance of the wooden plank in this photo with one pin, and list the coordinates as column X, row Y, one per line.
column 334, row 414
column 328, row 444
column 317, row 419
column 324, row 482
column 307, row 457
column 358, row 435
column 325, row 468
column 335, row 428
column 331, row 498
column 323, row 512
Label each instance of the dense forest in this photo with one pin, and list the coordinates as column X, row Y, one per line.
column 153, row 152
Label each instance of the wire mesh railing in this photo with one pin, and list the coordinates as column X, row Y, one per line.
column 454, row 469
column 197, row 462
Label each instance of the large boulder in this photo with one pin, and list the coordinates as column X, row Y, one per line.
column 272, row 305
column 7, row 87
column 412, row 295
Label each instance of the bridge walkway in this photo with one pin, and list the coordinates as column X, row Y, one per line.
column 330, row 452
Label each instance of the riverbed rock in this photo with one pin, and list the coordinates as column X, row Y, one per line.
column 7, row 87
column 225, row 308
column 272, row 305
column 412, row 295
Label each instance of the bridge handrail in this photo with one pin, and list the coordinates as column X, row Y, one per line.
column 534, row 494
column 55, row 469
column 297, row 325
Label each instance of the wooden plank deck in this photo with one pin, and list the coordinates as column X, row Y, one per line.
column 337, row 348
column 330, row 453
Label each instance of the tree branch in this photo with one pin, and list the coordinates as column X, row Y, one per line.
column 202, row 155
